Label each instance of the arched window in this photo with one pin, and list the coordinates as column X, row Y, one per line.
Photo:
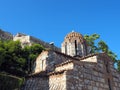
column 65, row 47
column 75, row 47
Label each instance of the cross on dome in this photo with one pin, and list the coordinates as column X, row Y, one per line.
column 73, row 31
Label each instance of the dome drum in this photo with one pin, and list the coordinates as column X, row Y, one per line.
column 74, row 45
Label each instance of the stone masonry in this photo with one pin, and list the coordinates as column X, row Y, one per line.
column 26, row 40
column 67, row 72
column 29, row 40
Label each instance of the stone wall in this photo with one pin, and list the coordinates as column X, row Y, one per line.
column 84, row 77
column 57, row 81
column 45, row 44
column 54, row 81
column 47, row 60
column 29, row 40
column 40, row 63
column 115, row 77
column 64, row 66
column 36, row 83
column 93, row 76
column 5, row 35
column 90, row 59
column 74, row 74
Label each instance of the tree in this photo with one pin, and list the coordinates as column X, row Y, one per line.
column 14, row 59
column 31, row 53
column 11, row 54
column 2, row 53
column 102, row 46
column 98, row 45
column 91, row 41
column 118, row 64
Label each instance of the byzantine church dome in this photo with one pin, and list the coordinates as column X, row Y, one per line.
column 74, row 35
column 74, row 45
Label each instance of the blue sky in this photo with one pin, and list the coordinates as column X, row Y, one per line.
column 51, row 20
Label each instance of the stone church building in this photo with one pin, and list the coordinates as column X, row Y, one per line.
column 74, row 68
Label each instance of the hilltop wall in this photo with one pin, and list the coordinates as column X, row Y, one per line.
column 29, row 40
column 26, row 40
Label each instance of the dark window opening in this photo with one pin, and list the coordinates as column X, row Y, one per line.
column 107, row 69
column 109, row 84
column 65, row 47
column 76, row 47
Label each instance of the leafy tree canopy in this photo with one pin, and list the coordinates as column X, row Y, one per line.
column 98, row 45
column 15, row 59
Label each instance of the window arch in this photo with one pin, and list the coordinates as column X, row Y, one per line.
column 65, row 47
column 76, row 47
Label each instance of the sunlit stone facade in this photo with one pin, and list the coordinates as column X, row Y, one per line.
column 53, row 70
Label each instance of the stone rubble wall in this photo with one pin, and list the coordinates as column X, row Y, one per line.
column 81, row 80
column 57, row 82
column 91, row 77
column 79, row 75
column 52, row 82
column 113, row 74
column 23, row 39
column 29, row 40
column 55, row 58
column 26, row 40
column 47, row 60
column 68, row 66
column 116, row 77
column 90, row 59
column 40, row 63
column 36, row 83
column 45, row 44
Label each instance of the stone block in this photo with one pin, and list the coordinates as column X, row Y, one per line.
column 95, row 88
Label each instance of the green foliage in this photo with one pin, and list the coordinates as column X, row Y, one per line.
column 30, row 53
column 118, row 64
column 15, row 59
column 91, row 41
column 98, row 45
column 112, row 55
column 102, row 46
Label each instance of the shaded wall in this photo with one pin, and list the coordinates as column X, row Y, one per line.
column 36, row 83
column 52, row 82
column 93, row 76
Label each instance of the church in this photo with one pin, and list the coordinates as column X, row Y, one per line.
column 73, row 68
